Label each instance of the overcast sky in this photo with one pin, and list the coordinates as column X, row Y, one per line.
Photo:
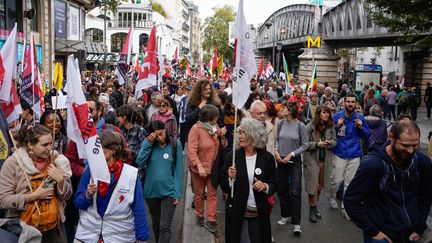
column 256, row 11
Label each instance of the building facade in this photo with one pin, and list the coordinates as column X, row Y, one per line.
column 141, row 17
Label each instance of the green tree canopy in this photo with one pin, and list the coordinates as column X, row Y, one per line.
column 110, row 5
column 157, row 7
column 215, row 31
column 411, row 17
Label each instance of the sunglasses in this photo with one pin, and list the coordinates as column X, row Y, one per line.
column 91, row 110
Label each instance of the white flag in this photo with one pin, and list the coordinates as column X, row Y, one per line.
column 81, row 128
column 245, row 65
column 8, row 61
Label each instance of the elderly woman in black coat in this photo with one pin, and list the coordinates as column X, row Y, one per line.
column 254, row 180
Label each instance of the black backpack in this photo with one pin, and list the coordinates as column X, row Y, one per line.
column 173, row 142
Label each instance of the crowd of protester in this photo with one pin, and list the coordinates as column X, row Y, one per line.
column 282, row 137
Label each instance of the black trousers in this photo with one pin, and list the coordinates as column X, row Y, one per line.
column 162, row 213
column 289, row 184
column 251, row 231
column 428, row 109
column 413, row 113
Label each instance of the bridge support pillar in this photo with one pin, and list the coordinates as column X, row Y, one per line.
column 418, row 70
column 327, row 66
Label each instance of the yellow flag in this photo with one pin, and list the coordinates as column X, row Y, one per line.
column 220, row 65
column 59, row 84
column 54, row 83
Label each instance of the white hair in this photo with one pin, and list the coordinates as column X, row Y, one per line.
column 328, row 88
column 255, row 103
column 255, row 131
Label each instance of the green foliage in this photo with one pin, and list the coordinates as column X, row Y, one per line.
column 157, row 7
column 411, row 17
column 215, row 31
column 110, row 5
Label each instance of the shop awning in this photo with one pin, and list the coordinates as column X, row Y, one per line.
column 72, row 46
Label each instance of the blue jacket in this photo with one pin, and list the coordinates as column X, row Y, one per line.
column 392, row 199
column 349, row 146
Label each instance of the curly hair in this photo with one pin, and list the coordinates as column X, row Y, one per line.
column 195, row 96
column 113, row 141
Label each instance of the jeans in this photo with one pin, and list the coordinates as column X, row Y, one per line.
column 343, row 169
column 289, row 184
column 162, row 213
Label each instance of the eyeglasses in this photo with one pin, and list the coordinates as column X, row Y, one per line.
column 91, row 109
column 163, row 105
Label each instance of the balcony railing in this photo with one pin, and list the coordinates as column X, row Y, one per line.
column 145, row 24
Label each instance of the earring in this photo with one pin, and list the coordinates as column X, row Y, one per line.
column 31, row 152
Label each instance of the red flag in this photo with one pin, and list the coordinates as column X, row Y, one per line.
column 31, row 87
column 137, row 66
column 227, row 74
column 261, row 67
column 147, row 77
column 123, row 63
column 176, row 54
column 13, row 109
column 201, row 72
column 8, row 59
column 188, row 72
column 215, row 60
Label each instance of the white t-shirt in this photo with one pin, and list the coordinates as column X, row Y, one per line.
column 250, row 165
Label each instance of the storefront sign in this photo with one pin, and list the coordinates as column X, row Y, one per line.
column 60, row 19
column 74, row 23
column 20, row 51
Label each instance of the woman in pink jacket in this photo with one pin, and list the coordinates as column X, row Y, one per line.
column 203, row 145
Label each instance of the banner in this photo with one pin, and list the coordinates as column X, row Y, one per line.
column 123, row 63
column 31, row 86
column 245, row 65
column 81, row 128
column 147, row 77
column 8, row 66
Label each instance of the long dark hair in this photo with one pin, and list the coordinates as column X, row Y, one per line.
column 45, row 115
column 132, row 114
column 319, row 126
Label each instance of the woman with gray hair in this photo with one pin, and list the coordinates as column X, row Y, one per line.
column 253, row 177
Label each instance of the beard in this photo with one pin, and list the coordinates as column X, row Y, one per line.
column 402, row 156
column 349, row 108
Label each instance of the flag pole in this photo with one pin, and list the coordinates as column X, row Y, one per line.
column 234, row 148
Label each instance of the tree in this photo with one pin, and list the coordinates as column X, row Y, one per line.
column 157, row 7
column 110, row 5
column 412, row 17
column 215, row 31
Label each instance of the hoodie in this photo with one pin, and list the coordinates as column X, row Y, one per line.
column 389, row 198
column 378, row 131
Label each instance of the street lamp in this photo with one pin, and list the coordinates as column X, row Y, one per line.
column 268, row 25
column 279, row 48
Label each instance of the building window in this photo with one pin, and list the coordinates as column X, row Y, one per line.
column 11, row 13
column 117, row 41
column 143, row 39
column 94, row 35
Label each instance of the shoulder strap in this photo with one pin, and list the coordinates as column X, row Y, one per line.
column 173, row 142
column 279, row 127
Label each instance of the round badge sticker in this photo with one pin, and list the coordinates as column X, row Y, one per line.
column 258, row 171
column 165, row 156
